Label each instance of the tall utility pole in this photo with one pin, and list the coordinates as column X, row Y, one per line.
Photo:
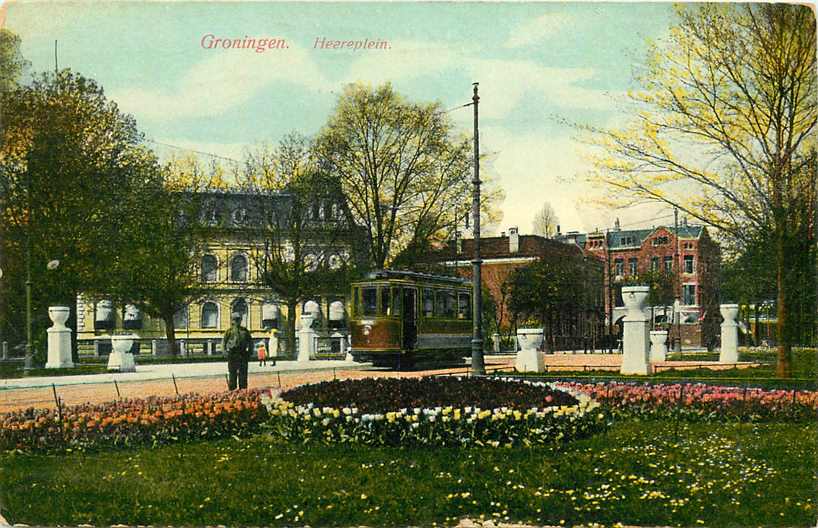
column 28, row 359
column 478, row 367
column 677, row 286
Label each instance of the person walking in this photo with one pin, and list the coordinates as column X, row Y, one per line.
column 236, row 344
column 262, row 355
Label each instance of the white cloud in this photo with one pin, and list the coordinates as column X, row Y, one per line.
column 538, row 29
column 222, row 81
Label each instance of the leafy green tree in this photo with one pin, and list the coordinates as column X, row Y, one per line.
column 724, row 130
column 12, row 62
column 304, row 232
column 402, row 169
column 69, row 159
column 160, row 273
column 556, row 291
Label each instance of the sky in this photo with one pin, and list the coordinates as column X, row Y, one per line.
column 541, row 66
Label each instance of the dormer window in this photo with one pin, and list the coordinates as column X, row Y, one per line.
column 239, row 216
column 661, row 241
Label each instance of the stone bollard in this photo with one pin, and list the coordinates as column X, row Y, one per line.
column 658, row 346
column 59, row 339
column 529, row 358
column 495, row 342
column 154, row 347
column 5, row 349
column 729, row 334
column 209, row 347
column 306, row 339
column 635, row 339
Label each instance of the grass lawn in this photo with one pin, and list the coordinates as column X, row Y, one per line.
column 16, row 371
column 642, row 473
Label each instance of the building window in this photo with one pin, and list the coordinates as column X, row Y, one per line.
column 238, row 268
column 661, row 241
column 210, row 268
column 180, row 318
column 239, row 307
column 210, row 315
column 654, row 264
column 633, row 264
column 689, row 294
column 688, row 263
column 619, row 267
column 668, row 261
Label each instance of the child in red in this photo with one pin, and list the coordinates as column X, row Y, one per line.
column 262, row 355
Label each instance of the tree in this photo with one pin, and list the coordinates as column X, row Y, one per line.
column 12, row 62
column 401, row 168
column 557, row 291
column 724, row 130
column 68, row 161
column 161, row 274
column 546, row 221
column 304, row 233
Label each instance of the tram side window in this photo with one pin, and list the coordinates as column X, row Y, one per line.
column 450, row 305
column 386, row 303
column 428, row 302
column 440, row 305
column 396, row 301
column 369, row 301
column 464, row 306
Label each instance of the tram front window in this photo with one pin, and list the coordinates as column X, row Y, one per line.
column 396, row 301
column 428, row 302
column 385, row 302
column 369, row 301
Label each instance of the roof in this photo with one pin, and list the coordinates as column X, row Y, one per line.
column 531, row 246
column 634, row 238
column 414, row 276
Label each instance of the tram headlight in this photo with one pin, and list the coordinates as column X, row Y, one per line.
column 367, row 329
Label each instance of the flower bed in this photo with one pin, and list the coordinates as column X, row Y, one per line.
column 700, row 402
column 135, row 422
column 429, row 412
column 379, row 395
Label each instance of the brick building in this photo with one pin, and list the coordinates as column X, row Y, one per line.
column 691, row 257
column 501, row 255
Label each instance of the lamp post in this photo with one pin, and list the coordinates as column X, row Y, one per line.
column 477, row 364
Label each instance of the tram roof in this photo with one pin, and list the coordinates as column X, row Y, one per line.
column 415, row 276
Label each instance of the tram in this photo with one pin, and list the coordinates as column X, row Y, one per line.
column 402, row 318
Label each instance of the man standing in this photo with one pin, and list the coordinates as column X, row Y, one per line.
column 236, row 344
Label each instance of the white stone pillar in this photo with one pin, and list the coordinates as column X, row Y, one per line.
column 729, row 334
column 209, row 345
column 5, row 349
column 529, row 358
column 635, row 339
column 306, row 338
column 658, row 346
column 154, row 347
column 121, row 358
column 59, row 339
column 495, row 340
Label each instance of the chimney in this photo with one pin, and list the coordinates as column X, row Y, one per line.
column 616, row 225
column 684, row 221
column 558, row 230
column 513, row 240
